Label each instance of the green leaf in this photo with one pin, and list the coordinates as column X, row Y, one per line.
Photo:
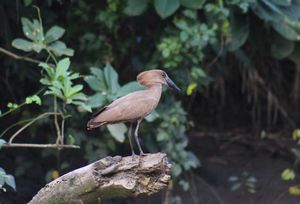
column 59, row 48
column 118, row 131
column 176, row 169
column 135, row 7
column 34, row 98
column 93, row 83
column 240, row 31
column 75, row 89
column 281, row 47
column 128, row 88
column 10, row 181
column 111, row 78
column 27, row 2
column 152, row 116
column 288, row 174
column 22, row 44
column 53, row 34
column 2, row 142
column 282, row 2
column 286, row 31
column 165, row 8
column 32, row 30
column 97, row 100
column 192, row 4
column 56, row 92
column 62, row 67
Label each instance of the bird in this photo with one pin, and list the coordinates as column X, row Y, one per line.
column 135, row 106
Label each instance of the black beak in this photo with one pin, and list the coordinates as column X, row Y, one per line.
column 172, row 85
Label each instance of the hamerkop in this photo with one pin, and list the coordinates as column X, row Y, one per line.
column 135, row 106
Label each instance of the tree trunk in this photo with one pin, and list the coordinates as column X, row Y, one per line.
column 110, row 177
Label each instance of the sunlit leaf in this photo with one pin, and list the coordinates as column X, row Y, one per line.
column 296, row 134
column 62, row 67
column 191, row 88
column 288, row 174
column 294, row 190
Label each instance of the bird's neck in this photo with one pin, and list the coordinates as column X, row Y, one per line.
column 155, row 90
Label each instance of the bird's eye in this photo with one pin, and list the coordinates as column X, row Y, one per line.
column 163, row 74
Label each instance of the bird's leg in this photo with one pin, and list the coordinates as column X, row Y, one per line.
column 130, row 137
column 137, row 137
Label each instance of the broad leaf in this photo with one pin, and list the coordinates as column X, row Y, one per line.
column 62, row 67
column 2, row 142
column 53, row 34
column 281, row 47
column 239, row 30
column 22, row 44
column 32, row 30
column 10, row 180
column 111, row 78
column 193, row 4
column 93, row 83
column 118, row 131
column 165, row 8
column 135, row 7
column 286, row 31
column 59, row 48
column 97, row 100
column 128, row 88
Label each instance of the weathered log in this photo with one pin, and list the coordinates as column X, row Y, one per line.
column 110, row 177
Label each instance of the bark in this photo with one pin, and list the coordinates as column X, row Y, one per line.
column 110, row 177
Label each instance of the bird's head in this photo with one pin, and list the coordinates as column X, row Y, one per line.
column 156, row 76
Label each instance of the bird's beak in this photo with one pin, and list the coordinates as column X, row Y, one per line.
column 172, row 85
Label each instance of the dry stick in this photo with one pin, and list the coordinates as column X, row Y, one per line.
column 56, row 146
column 28, row 124
column 18, row 57
column 58, row 133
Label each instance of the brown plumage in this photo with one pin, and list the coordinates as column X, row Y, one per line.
column 134, row 106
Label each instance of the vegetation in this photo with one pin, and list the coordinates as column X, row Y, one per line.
column 62, row 60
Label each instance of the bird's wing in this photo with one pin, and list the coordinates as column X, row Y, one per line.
column 128, row 108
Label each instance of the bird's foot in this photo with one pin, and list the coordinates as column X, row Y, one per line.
column 134, row 156
column 142, row 154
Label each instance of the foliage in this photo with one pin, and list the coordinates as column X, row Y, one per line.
column 243, row 181
column 59, row 83
column 7, row 179
column 34, row 31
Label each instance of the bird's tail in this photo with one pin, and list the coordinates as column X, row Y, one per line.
column 92, row 124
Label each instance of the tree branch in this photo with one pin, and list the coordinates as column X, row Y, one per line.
column 55, row 146
column 18, row 57
column 107, row 178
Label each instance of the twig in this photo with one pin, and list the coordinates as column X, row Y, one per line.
column 56, row 146
column 58, row 133
column 18, row 57
column 28, row 124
